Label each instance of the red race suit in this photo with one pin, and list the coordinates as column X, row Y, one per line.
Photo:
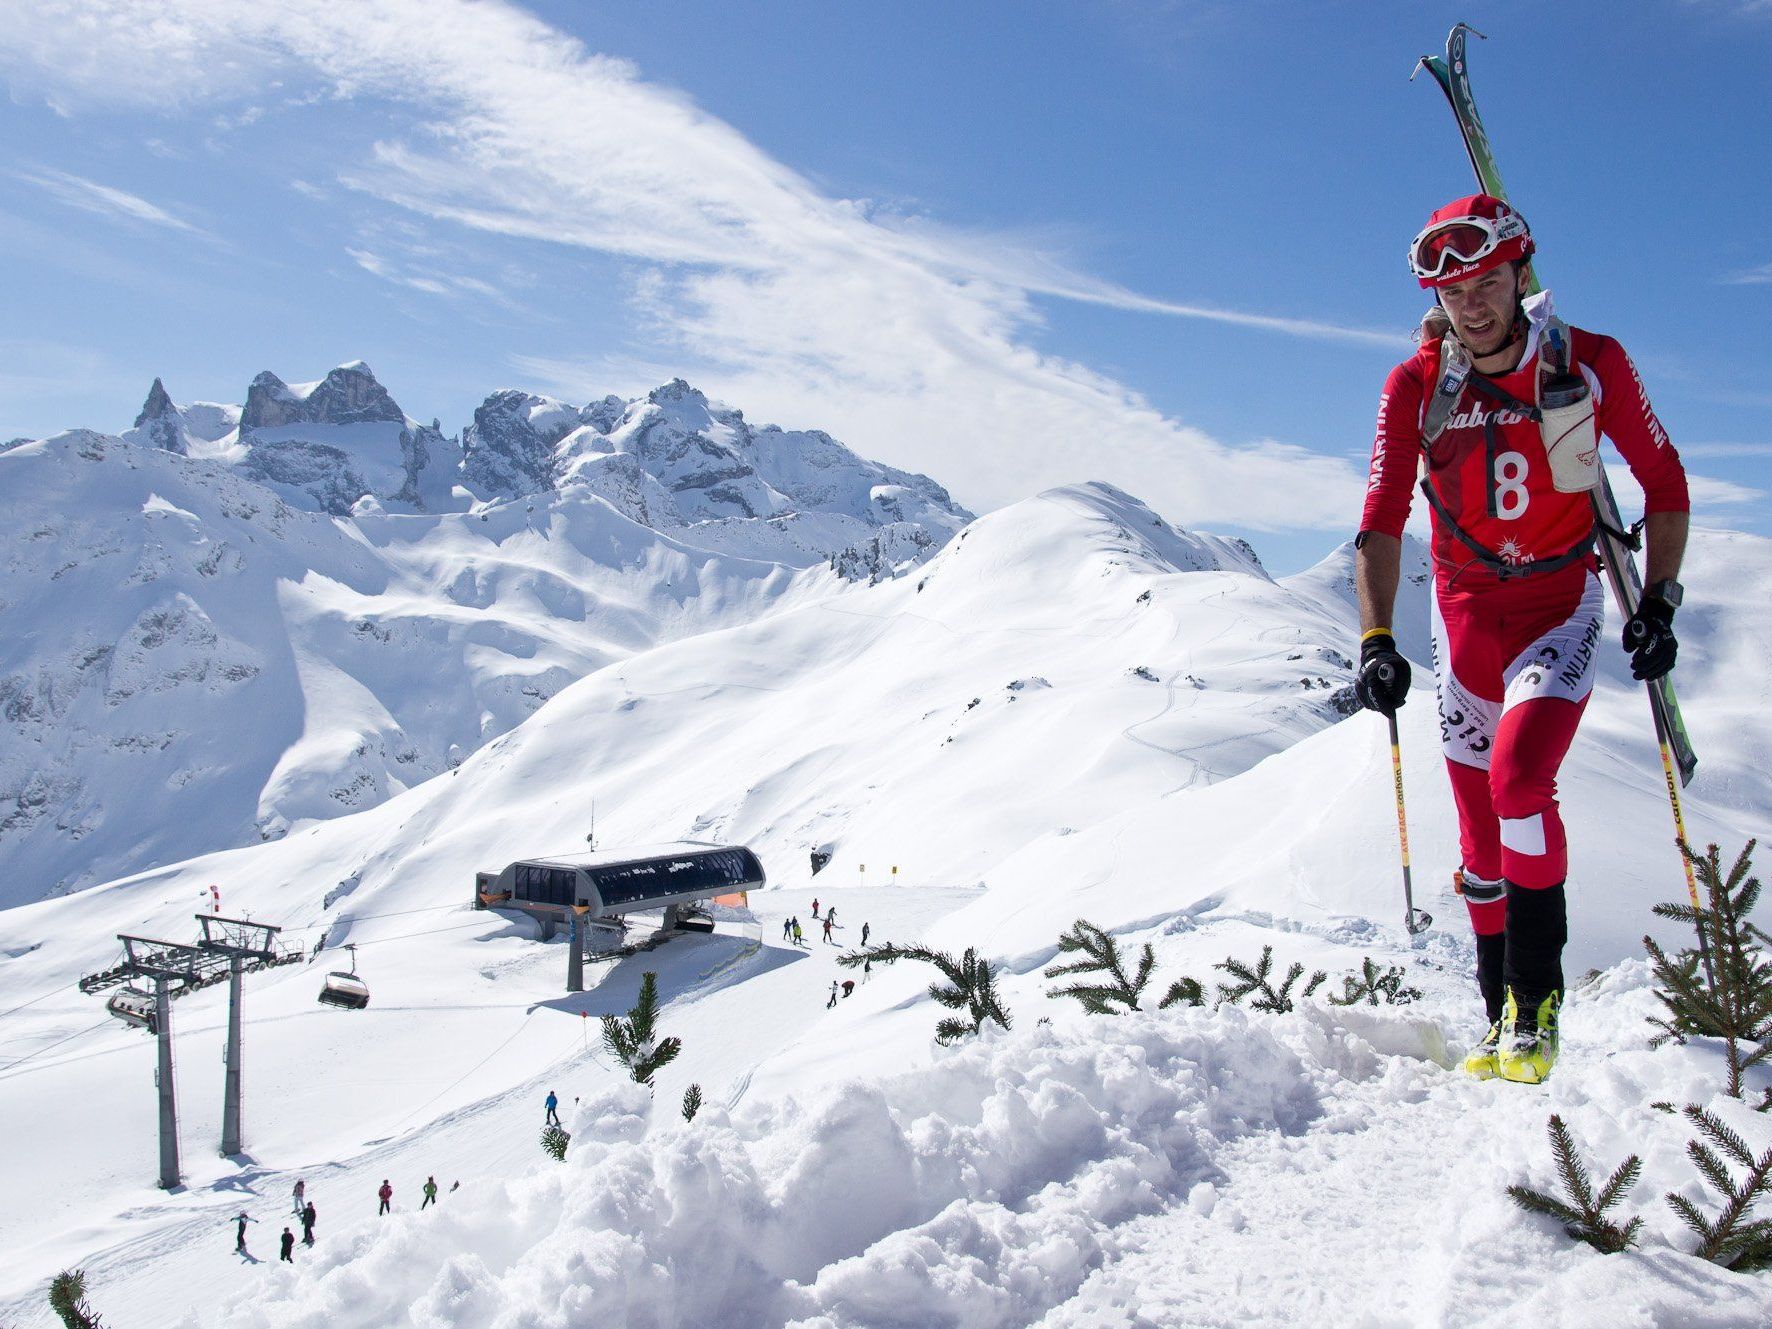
column 1515, row 628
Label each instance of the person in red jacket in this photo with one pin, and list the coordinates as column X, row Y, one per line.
column 386, row 1194
column 1517, row 602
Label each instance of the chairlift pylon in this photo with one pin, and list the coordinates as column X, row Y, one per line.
column 345, row 990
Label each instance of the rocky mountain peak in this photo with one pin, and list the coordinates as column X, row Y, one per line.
column 348, row 394
column 157, row 407
column 677, row 390
column 160, row 424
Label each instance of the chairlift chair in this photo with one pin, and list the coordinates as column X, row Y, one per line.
column 345, row 990
column 134, row 1007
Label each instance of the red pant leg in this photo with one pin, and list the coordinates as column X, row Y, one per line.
column 1468, row 684
column 1550, row 632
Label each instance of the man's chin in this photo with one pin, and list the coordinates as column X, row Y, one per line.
column 1494, row 340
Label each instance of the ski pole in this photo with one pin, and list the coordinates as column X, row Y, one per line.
column 1415, row 920
column 1673, row 798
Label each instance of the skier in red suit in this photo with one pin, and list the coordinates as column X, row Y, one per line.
column 1517, row 600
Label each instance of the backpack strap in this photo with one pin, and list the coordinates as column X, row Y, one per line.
column 1454, row 371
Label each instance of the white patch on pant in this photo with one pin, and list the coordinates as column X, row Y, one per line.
column 1467, row 721
column 1523, row 835
column 1560, row 663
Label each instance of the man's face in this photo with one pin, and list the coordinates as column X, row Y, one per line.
column 1482, row 308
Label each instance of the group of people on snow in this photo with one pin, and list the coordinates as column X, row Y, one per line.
column 306, row 1215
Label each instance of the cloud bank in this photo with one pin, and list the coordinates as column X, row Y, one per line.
column 909, row 339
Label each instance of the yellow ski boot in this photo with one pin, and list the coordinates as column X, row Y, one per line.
column 1528, row 1047
column 1483, row 1061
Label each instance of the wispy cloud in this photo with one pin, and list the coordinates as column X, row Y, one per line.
column 908, row 338
column 90, row 196
column 1726, row 499
column 1709, row 493
column 1760, row 276
column 379, row 267
column 1715, row 451
column 430, row 279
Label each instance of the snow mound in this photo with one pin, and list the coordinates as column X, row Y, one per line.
column 980, row 1192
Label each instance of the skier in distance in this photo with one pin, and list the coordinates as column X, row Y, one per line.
column 1517, row 605
column 288, row 1246
column 308, row 1215
column 301, row 1187
column 240, row 1232
column 430, row 1193
column 386, row 1195
column 553, row 1107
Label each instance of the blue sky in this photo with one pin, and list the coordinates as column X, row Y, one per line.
column 1011, row 245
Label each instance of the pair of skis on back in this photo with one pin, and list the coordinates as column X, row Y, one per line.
column 1678, row 761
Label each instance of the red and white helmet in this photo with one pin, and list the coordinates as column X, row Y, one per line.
column 1468, row 237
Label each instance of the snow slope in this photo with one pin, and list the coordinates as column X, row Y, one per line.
column 215, row 634
column 1073, row 710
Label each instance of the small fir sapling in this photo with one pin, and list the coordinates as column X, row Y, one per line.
column 1583, row 1215
column 554, row 1140
column 1732, row 1239
column 632, row 1040
column 1731, row 997
column 691, row 1102
column 971, row 986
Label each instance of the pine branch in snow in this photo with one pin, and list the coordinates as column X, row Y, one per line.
column 952, row 1029
column 67, row 1298
column 1099, row 955
column 1731, row 998
column 554, row 1140
column 1257, row 981
column 1183, row 992
column 1373, row 986
column 1583, row 1216
column 1732, row 1239
column 691, row 1102
column 970, row 986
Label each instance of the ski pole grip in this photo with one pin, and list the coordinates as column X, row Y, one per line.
column 1636, row 630
column 1387, row 672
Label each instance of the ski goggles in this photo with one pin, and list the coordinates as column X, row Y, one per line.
column 1460, row 241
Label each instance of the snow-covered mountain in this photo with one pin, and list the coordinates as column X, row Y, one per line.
column 229, row 620
column 1074, row 710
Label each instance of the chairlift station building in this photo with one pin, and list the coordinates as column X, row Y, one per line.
column 593, row 892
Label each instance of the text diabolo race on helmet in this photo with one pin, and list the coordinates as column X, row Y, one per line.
column 1468, row 237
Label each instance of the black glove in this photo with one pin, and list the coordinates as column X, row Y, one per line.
column 1382, row 684
column 1649, row 637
